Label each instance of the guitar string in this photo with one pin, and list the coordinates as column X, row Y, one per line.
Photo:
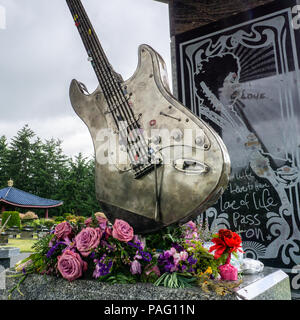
column 73, row 15
column 105, row 91
column 131, row 123
column 119, row 91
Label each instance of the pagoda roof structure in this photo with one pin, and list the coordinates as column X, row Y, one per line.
column 19, row 198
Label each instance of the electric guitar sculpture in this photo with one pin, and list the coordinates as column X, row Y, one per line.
column 166, row 165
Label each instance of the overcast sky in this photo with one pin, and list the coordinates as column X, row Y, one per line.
column 41, row 52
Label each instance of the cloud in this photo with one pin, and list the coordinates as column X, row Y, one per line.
column 41, row 52
column 71, row 130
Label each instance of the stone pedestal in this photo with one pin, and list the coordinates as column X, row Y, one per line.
column 271, row 285
column 13, row 232
column 27, row 233
column 3, row 238
column 6, row 254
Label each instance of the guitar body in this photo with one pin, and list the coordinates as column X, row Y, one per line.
column 195, row 164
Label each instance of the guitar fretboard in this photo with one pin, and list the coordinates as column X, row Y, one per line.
column 117, row 99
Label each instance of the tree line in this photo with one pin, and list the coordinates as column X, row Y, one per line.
column 41, row 168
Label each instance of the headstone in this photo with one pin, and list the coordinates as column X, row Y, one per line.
column 6, row 255
column 13, row 232
column 27, row 233
column 241, row 75
column 3, row 238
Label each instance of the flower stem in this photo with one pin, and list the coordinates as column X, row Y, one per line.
column 228, row 258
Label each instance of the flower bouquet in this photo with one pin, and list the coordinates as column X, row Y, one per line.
column 226, row 242
column 97, row 249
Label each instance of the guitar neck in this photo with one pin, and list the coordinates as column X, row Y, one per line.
column 103, row 70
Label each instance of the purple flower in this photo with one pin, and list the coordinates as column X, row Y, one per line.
column 178, row 247
column 102, row 268
column 191, row 260
column 146, row 256
column 166, row 260
column 53, row 248
column 135, row 267
column 140, row 250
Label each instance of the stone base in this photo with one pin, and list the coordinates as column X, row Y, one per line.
column 37, row 287
column 6, row 253
column 26, row 235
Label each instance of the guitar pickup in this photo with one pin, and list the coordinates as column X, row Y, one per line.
column 190, row 166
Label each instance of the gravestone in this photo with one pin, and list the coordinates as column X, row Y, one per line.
column 27, row 233
column 6, row 255
column 241, row 75
column 3, row 238
column 13, row 231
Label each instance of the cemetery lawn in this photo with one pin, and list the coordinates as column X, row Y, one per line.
column 25, row 245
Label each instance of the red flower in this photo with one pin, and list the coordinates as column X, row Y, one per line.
column 227, row 241
column 220, row 246
column 225, row 233
column 234, row 242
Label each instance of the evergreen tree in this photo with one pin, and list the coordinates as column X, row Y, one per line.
column 42, row 168
column 78, row 188
column 4, row 176
column 49, row 166
column 18, row 157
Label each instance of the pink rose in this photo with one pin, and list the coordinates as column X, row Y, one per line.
column 102, row 223
column 63, row 230
column 70, row 265
column 154, row 269
column 122, row 231
column 88, row 221
column 108, row 232
column 87, row 240
column 135, row 267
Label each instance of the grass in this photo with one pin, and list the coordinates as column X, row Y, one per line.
column 25, row 245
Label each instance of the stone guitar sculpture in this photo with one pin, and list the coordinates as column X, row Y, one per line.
column 156, row 162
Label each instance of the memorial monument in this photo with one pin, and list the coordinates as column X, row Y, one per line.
column 236, row 65
column 210, row 75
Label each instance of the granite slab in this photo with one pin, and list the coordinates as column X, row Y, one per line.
column 37, row 287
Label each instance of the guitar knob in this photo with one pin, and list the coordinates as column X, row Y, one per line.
column 177, row 136
column 156, row 139
column 199, row 141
